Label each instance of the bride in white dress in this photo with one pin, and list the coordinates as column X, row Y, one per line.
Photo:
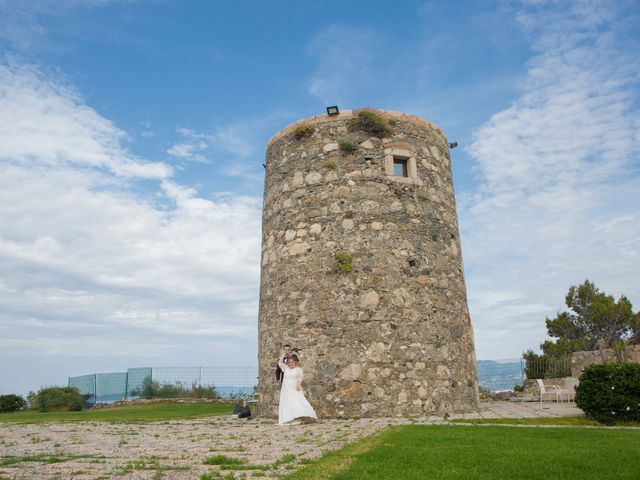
column 293, row 404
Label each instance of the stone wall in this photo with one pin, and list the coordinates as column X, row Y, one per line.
column 531, row 388
column 393, row 336
column 581, row 360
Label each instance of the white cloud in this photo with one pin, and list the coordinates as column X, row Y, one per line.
column 191, row 147
column 48, row 123
column 90, row 266
column 559, row 185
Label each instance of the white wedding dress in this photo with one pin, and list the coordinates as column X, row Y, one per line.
column 293, row 404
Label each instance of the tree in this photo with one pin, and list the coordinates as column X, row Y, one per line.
column 11, row 403
column 593, row 318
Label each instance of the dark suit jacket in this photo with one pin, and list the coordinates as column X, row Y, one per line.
column 279, row 372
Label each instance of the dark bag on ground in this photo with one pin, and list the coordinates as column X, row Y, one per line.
column 245, row 412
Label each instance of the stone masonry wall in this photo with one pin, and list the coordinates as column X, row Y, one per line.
column 581, row 360
column 393, row 336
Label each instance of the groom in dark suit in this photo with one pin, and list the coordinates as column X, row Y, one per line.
column 279, row 372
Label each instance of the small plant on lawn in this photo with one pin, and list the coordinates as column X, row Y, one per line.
column 145, row 463
column 8, row 461
column 303, row 131
column 284, row 460
column 347, row 146
column 370, row 122
column 331, row 165
column 223, row 460
column 610, row 393
column 344, row 262
column 11, row 403
column 158, row 474
column 215, row 476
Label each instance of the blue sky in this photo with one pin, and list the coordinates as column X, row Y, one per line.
column 132, row 136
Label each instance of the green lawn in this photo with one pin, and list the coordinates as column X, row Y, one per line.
column 149, row 412
column 484, row 452
column 559, row 421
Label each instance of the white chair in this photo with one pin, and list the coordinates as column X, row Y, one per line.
column 554, row 393
column 570, row 390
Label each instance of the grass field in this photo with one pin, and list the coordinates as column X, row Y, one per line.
column 149, row 412
column 545, row 421
column 484, row 452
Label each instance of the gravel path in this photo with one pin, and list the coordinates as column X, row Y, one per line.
column 171, row 450
column 177, row 449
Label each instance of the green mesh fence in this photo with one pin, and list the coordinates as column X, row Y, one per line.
column 496, row 375
column 86, row 384
column 111, row 387
column 224, row 382
column 135, row 380
column 186, row 377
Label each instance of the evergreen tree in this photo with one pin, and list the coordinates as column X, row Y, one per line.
column 593, row 317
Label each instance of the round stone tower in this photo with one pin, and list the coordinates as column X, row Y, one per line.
column 361, row 268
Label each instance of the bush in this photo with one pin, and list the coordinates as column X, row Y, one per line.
column 610, row 393
column 347, row 146
column 343, row 262
column 153, row 389
column 369, row 121
column 11, row 403
column 204, row 392
column 304, row 130
column 58, row 398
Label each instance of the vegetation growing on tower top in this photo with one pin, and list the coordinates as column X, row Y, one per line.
column 370, row 122
column 304, row 130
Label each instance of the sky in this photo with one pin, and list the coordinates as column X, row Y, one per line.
column 132, row 137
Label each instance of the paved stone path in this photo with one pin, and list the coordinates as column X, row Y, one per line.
column 502, row 409
column 176, row 449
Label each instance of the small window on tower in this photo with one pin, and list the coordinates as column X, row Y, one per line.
column 400, row 167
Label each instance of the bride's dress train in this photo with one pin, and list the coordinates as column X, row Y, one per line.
column 293, row 403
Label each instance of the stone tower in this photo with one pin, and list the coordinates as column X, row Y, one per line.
column 361, row 268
